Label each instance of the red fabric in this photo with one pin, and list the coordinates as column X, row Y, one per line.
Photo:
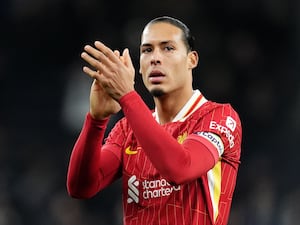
column 147, row 154
column 87, row 172
column 177, row 162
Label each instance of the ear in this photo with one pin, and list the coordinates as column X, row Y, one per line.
column 193, row 59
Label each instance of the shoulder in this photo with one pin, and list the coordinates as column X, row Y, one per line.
column 217, row 111
column 221, row 119
column 223, row 114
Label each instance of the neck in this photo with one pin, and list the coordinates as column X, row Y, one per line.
column 168, row 105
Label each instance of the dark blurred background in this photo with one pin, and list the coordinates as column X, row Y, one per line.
column 249, row 56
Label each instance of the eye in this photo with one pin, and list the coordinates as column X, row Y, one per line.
column 169, row 48
column 146, row 50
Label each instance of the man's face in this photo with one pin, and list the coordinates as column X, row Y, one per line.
column 165, row 63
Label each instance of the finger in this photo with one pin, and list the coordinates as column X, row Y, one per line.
column 117, row 53
column 127, row 59
column 106, row 51
column 96, row 76
column 122, row 58
column 95, row 63
column 90, row 60
column 97, row 59
column 93, row 52
column 92, row 73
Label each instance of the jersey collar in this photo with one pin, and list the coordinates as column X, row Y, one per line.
column 194, row 103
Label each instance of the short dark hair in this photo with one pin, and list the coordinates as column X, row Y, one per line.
column 188, row 38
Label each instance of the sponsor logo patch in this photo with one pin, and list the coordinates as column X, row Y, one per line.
column 150, row 189
column 230, row 123
column 223, row 130
column 133, row 191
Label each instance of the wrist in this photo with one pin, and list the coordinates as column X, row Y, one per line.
column 97, row 118
column 127, row 97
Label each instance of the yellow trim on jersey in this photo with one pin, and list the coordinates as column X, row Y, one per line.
column 214, row 182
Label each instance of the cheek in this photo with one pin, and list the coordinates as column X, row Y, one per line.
column 143, row 69
column 142, row 72
column 142, row 66
column 179, row 66
column 180, row 72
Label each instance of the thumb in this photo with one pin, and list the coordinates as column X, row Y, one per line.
column 126, row 58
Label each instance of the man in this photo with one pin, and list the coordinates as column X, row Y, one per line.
column 179, row 162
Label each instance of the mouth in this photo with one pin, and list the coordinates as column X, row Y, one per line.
column 156, row 77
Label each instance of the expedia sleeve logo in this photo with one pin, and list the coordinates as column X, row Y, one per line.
column 224, row 130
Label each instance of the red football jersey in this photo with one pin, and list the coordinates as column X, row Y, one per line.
column 149, row 199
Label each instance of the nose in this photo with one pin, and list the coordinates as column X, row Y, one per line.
column 155, row 57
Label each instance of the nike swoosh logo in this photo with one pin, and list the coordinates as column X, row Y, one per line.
column 128, row 151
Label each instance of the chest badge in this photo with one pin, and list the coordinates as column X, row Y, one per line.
column 182, row 137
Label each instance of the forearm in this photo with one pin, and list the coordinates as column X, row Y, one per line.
column 177, row 162
column 83, row 172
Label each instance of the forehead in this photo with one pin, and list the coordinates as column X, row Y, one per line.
column 160, row 32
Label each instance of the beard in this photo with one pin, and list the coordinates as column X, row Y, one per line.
column 157, row 93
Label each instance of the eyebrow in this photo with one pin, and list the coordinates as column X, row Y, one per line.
column 160, row 43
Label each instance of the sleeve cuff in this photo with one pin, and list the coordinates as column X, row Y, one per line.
column 95, row 123
column 128, row 98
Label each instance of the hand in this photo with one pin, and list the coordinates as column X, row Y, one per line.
column 113, row 71
column 101, row 104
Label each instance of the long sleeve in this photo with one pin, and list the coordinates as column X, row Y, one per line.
column 177, row 162
column 90, row 169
